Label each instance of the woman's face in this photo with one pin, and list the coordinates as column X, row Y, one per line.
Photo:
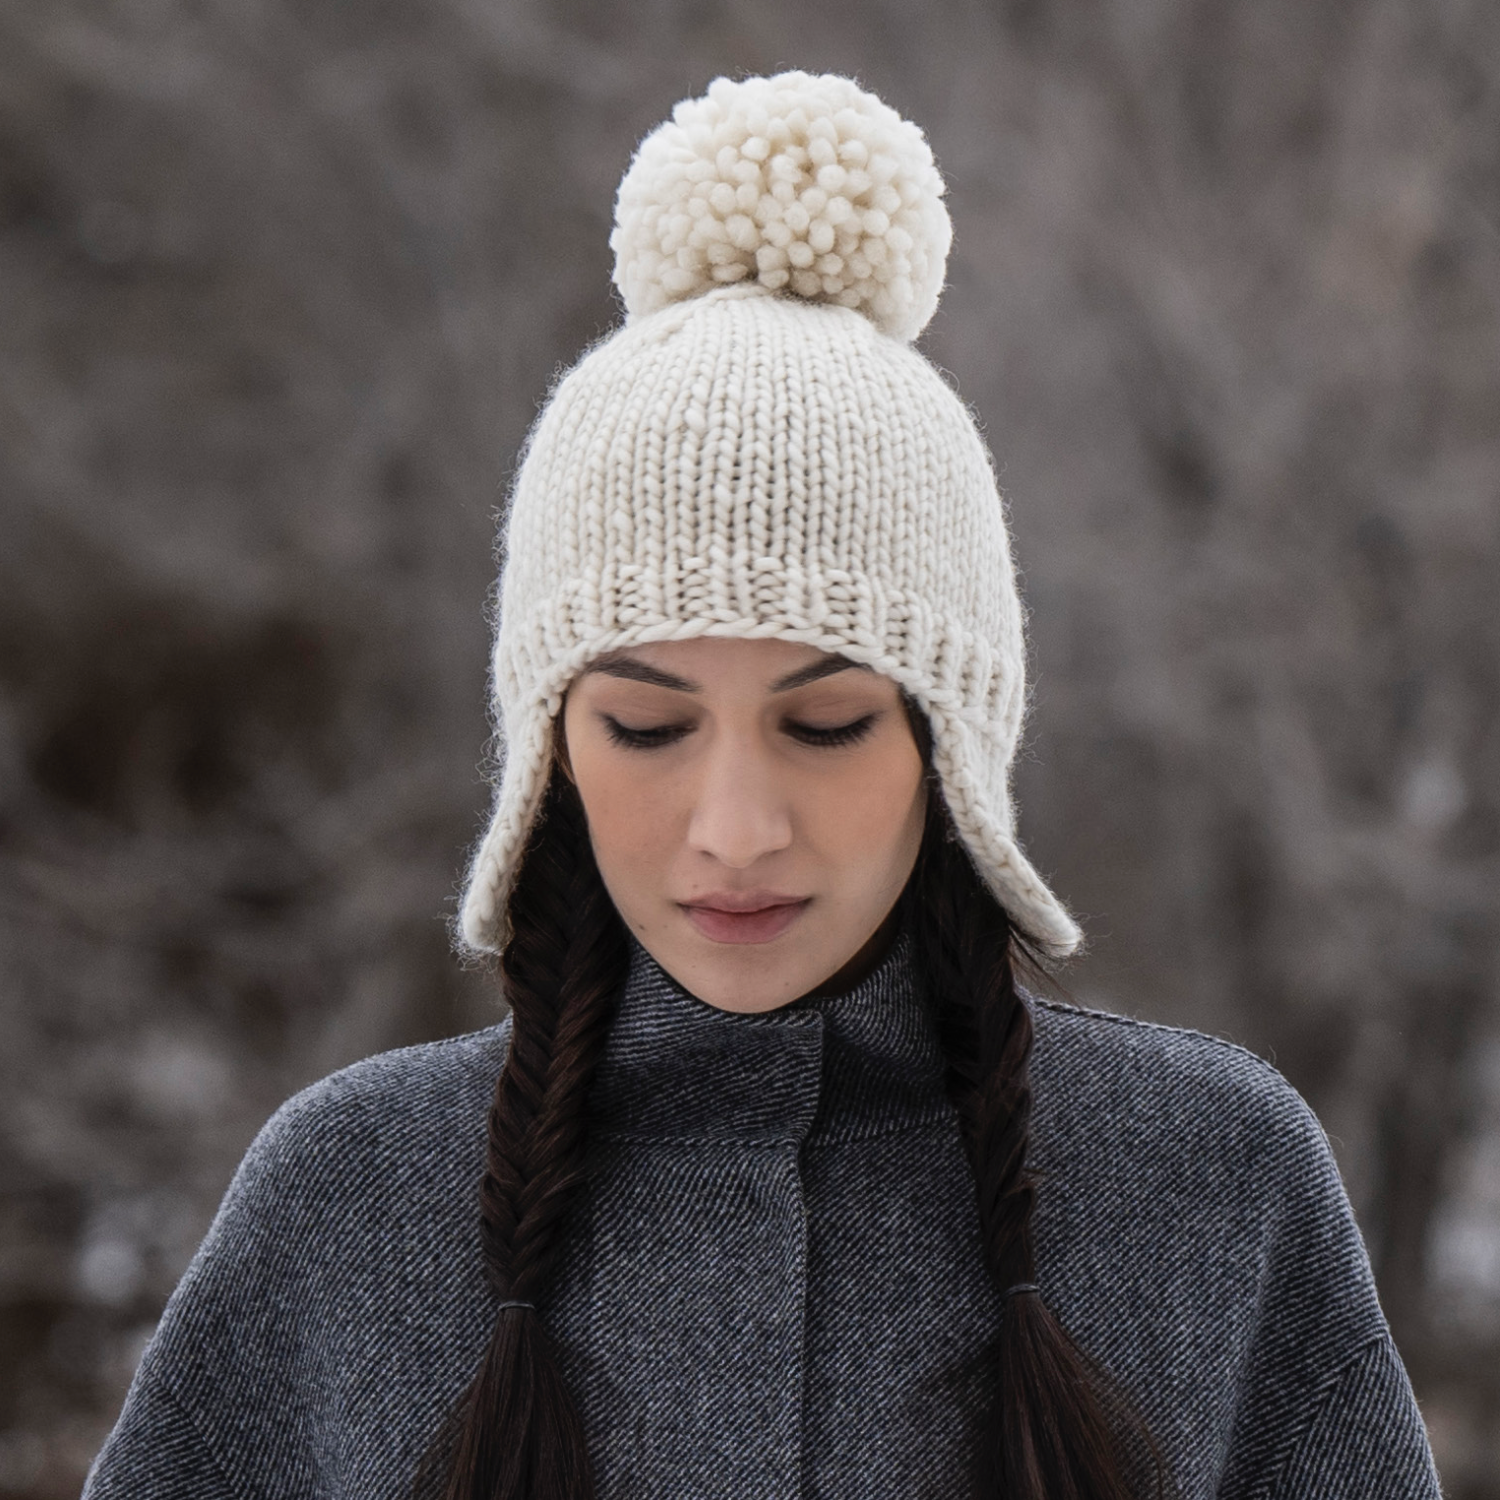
column 755, row 807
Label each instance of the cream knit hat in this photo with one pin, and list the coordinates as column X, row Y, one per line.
column 758, row 451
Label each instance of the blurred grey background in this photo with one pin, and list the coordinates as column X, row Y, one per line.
column 281, row 285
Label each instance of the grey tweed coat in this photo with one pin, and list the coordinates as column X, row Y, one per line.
column 773, row 1287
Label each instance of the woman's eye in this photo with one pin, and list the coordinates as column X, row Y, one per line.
column 840, row 734
column 667, row 734
column 642, row 739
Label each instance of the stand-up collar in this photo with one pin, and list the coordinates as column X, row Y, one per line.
column 826, row 1067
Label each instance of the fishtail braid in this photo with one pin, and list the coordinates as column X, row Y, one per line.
column 516, row 1434
column 1063, row 1429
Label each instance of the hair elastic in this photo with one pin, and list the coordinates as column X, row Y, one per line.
column 1020, row 1286
column 504, row 1305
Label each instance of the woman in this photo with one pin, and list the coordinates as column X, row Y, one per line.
column 785, row 1186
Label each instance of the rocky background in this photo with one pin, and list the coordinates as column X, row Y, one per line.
column 281, row 285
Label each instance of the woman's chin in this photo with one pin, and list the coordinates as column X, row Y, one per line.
column 745, row 977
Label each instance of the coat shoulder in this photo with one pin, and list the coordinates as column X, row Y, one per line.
column 382, row 1151
column 1169, row 1090
column 393, row 1104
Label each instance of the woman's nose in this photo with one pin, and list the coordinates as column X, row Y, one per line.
column 740, row 812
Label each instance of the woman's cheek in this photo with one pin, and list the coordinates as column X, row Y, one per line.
column 632, row 814
column 871, row 812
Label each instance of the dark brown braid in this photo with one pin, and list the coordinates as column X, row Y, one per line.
column 1063, row 1431
column 516, row 1433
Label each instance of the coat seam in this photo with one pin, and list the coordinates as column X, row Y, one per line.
column 937, row 1118
column 1223, row 1043
column 171, row 1397
column 1321, row 1397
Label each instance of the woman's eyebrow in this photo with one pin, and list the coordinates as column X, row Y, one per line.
column 825, row 666
column 639, row 671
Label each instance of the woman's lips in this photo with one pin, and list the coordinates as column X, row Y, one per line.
column 745, row 926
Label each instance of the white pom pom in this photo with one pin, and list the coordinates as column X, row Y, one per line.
column 808, row 185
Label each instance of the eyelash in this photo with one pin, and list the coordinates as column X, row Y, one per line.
column 653, row 739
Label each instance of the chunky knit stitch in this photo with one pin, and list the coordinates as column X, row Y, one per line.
column 774, row 1286
column 748, row 462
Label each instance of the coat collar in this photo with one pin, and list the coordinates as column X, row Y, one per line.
column 675, row 1068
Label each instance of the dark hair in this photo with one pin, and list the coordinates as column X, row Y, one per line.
column 1063, row 1430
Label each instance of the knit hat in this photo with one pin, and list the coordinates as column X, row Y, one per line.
column 759, row 451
